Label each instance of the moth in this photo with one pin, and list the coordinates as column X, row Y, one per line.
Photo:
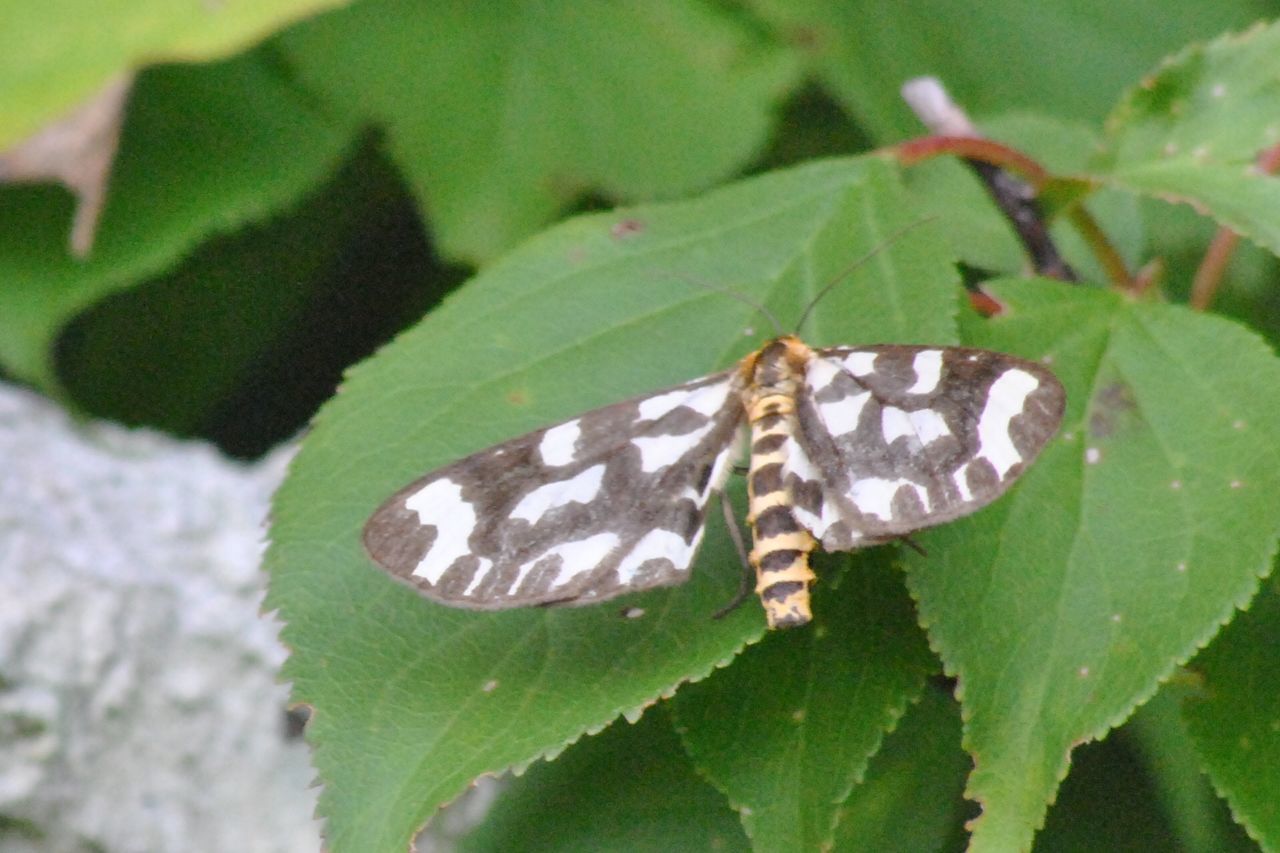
column 849, row 447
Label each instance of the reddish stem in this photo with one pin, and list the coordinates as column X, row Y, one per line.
column 1213, row 267
column 924, row 148
column 1011, row 160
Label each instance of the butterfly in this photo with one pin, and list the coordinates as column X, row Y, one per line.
column 848, row 447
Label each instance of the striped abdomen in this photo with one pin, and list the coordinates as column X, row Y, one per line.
column 780, row 547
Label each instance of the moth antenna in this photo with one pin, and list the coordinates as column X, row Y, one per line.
column 840, row 276
column 741, row 297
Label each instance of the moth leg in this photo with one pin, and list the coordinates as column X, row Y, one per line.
column 748, row 588
column 913, row 545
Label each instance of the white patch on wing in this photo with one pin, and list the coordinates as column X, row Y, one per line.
column 710, row 399
column 659, row 451
column 720, row 468
column 895, row 423
column 439, row 504
column 860, row 363
column 929, row 425
column 557, row 445
column 657, row 544
column 480, row 574
column 576, row 558
column 874, row 495
column 1005, row 400
column 705, row 400
column 961, row 479
column 797, row 462
column 809, row 521
column 841, row 416
column 581, row 488
column 928, row 368
column 820, row 373
column 652, row 408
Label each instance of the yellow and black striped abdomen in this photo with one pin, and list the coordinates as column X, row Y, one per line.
column 780, row 546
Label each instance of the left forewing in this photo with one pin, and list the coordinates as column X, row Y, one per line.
column 893, row 439
column 612, row 501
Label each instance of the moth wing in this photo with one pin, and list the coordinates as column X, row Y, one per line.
column 610, row 502
column 892, row 439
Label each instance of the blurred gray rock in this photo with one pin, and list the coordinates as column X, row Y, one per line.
column 139, row 708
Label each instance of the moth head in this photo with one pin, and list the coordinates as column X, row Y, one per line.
column 780, row 359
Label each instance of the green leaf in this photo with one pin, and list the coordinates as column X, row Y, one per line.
column 1199, row 816
column 993, row 56
column 631, row 787
column 911, row 797
column 1134, row 537
column 787, row 730
column 503, row 113
column 1191, row 131
column 414, row 700
column 1142, row 788
column 204, row 151
column 1233, row 722
column 55, row 55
